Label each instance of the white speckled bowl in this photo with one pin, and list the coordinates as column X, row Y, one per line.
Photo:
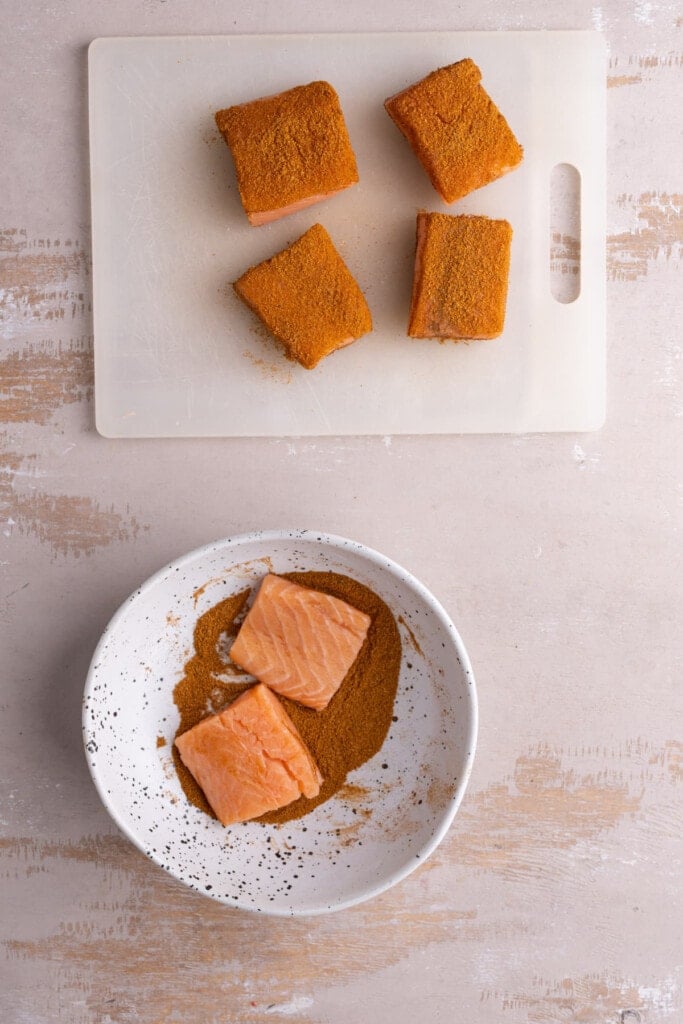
column 343, row 852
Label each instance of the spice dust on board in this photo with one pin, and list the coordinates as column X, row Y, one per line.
column 341, row 737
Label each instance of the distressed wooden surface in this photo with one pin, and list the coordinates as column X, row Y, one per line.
column 556, row 895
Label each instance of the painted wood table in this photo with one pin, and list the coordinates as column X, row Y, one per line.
column 556, row 894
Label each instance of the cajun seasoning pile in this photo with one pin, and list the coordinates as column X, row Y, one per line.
column 346, row 734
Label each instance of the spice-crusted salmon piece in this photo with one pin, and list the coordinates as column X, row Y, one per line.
column 455, row 129
column 299, row 641
column 307, row 298
column 250, row 758
column 289, row 150
column 461, row 277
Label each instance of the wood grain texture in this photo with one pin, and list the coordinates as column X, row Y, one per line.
column 532, row 832
column 555, row 897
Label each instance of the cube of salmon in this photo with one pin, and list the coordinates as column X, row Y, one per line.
column 300, row 642
column 250, row 758
column 461, row 277
column 307, row 298
column 455, row 129
column 289, row 150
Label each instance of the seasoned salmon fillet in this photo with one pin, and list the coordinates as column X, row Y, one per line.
column 299, row 642
column 455, row 129
column 461, row 277
column 307, row 298
column 289, row 150
column 250, row 758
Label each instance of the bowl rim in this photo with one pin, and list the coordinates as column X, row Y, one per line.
column 382, row 561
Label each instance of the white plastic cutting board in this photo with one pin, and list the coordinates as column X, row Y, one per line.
column 176, row 354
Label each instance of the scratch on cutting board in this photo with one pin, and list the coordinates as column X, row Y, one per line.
column 318, row 404
column 657, row 233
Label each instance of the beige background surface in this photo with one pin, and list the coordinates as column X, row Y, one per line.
column 556, row 895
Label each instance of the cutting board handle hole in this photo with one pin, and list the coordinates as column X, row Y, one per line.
column 565, row 233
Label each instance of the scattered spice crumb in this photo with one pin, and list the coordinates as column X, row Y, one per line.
column 439, row 794
column 210, row 136
column 271, row 371
column 413, row 638
column 352, row 793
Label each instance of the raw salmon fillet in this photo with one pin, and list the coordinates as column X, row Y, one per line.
column 455, row 129
column 299, row 642
column 307, row 297
column 250, row 758
column 461, row 277
column 289, row 150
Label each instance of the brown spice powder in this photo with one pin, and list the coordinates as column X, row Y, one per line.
column 199, row 693
column 346, row 734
